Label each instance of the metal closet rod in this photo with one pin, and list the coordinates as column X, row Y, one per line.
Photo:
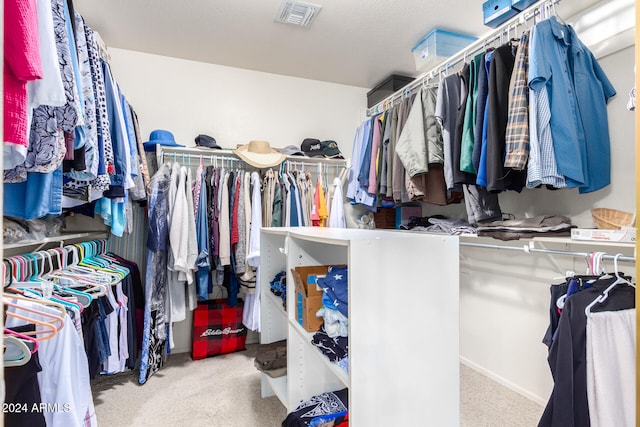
column 528, row 249
column 229, row 155
column 477, row 46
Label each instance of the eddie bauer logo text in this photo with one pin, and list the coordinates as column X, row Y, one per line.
column 226, row 331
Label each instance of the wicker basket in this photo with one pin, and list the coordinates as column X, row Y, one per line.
column 611, row 219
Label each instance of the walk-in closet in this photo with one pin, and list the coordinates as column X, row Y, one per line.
column 324, row 213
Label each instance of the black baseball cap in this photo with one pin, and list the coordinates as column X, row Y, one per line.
column 312, row 147
column 330, row 149
column 207, row 141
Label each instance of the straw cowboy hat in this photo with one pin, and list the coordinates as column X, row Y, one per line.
column 259, row 154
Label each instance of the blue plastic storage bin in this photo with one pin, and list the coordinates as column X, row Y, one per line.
column 496, row 12
column 437, row 46
column 521, row 5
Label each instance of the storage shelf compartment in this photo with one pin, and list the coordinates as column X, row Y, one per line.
column 333, row 367
column 381, row 265
column 277, row 303
column 278, row 387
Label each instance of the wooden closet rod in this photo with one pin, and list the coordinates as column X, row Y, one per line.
column 529, row 249
column 463, row 55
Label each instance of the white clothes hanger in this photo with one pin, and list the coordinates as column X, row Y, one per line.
column 16, row 352
column 620, row 280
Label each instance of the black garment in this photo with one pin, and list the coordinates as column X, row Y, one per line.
column 500, row 178
column 554, row 315
column 23, row 395
column 460, row 177
column 211, row 203
column 323, row 404
column 481, row 101
column 568, row 405
column 78, row 162
column 90, row 316
column 334, row 348
column 132, row 288
column 72, row 13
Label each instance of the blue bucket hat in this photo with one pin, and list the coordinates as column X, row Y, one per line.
column 160, row 137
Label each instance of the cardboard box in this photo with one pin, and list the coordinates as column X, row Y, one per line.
column 308, row 298
column 627, row 235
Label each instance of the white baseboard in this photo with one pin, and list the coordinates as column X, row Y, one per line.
column 503, row 381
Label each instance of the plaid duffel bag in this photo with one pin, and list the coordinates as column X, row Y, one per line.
column 217, row 329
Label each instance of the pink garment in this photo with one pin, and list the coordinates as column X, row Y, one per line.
column 21, row 64
column 375, row 145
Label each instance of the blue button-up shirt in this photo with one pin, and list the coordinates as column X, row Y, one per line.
column 578, row 92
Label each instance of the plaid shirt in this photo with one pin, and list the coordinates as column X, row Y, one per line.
column 517, row 134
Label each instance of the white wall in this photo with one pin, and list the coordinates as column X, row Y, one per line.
column 234, row 106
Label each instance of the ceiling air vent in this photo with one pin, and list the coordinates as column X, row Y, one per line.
column 297, row 13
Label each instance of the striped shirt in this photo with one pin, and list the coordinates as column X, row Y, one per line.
column 542, row 167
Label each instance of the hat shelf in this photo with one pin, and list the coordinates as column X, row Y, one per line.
column 192, row 156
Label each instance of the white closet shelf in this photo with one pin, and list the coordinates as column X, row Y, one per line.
column 333, row 367
column 470, row 238
column 278, row 386
column 277, row 302
column 90, row 235
column 195, row 153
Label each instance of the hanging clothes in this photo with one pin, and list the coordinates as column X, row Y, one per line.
column 470, row 116
column 22, row 64
column 64, row 378
column 251, row 309
column 336, row 216
column 568, row 404
column 579, row 93
column 156, row 317
column 203, row 263
column 500, row 178
column 446, row 114
column 611, row 366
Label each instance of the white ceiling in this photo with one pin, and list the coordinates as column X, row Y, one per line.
column 357, row 43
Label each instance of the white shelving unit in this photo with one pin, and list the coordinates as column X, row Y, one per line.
column 403, row 323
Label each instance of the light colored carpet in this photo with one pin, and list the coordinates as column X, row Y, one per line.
column 485, row 403
column 214, row 392
column 224, row 391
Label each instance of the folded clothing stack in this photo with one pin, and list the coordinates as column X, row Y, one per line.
column 514, row 229
column 272, row 358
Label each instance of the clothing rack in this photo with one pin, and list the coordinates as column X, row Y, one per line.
column 192, row 156
column 531, row 249
column 540, row 8
column 38, row 260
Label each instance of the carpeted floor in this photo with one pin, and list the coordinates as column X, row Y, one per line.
column 225, row 391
